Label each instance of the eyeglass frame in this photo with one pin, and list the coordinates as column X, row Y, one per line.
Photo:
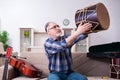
column 54, row 27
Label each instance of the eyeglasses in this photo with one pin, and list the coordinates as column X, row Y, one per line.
column 54, row 27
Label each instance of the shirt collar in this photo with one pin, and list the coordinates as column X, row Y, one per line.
column 55, row 39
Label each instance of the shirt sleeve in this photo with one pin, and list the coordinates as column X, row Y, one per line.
column 79, row 38
column 52, row 47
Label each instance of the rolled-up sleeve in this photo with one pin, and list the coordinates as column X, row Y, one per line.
column 79, row 38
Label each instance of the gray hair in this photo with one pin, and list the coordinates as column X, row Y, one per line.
column 46, row 25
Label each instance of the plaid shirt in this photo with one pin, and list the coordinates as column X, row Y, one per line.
column 59, row 55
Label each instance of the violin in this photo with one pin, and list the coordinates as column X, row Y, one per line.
column 25, row 68
column 8, row 53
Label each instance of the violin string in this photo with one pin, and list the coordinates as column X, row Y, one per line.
column 3, row 55
column 18, row 57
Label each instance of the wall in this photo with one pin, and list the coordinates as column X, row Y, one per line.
column 35, row 13
column 0, row 24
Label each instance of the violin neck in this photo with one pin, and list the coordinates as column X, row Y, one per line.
column 5, row 69
column 8, row 53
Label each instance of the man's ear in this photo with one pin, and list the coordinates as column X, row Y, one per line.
column 48, row 32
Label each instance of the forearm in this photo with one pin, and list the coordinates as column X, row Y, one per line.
column 71, row 39
column 80, row 30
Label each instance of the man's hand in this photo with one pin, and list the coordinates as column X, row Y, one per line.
column 80, row 30
column 83, row 28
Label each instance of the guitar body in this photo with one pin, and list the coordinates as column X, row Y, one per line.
column 24, row 67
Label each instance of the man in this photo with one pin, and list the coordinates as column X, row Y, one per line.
column 58, row 51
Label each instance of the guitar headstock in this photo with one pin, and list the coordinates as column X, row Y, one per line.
column 8, row 52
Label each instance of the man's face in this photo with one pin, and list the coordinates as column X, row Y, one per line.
column 54, row 30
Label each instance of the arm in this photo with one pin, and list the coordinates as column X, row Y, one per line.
column 79, row 38
column 80, row 30
column 52, row 46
